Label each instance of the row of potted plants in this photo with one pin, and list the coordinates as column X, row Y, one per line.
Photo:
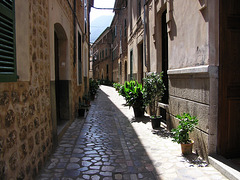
column 84, row 102
column 138, row 97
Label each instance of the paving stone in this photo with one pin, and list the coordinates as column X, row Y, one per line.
column 71, row 173
column 110, row 144
column 106, row 173
column 74, row 160
column 86, row 163
column 90, row 172
column 73, row 166
column 108, row 168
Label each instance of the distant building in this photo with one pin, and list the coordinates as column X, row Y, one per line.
column 119, row 28
column 44, row 71
column 102, row 61
column 112, row 65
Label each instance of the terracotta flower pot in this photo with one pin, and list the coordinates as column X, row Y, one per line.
column 187, row 148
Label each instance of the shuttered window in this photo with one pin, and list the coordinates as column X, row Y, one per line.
column 7, row 42
column 79, row 59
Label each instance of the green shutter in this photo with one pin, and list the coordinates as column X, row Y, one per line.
column 7, row 42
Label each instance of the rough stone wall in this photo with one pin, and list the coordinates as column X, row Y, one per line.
column 25, row 109
column 25, row 123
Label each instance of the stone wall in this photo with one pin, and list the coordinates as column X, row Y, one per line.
column 25, row 127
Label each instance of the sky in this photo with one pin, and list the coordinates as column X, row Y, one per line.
column 95, row 13
column 100, row 19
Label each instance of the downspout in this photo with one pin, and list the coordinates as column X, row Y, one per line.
column 112, row 52
column 74, row 33
column 144, row 38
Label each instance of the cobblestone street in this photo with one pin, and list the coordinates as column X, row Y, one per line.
column 111, row 144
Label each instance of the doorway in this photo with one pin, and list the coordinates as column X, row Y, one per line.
column 61, row 78
column 229, row 81
column 125, row 71
column 140, row 63
column 131, row 65
column 164, row 63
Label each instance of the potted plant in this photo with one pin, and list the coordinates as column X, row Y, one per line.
column 117, row 86
column 132, row 91
column 186, row 125
column 81, row 108
column 93, row 87
column 153, row 92
column 86, row 100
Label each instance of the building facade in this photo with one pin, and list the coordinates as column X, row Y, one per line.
column 102, row 58
column 44, row 63
column 113, row 65
column 195, row 44
column 119, row 43
column 136, row 44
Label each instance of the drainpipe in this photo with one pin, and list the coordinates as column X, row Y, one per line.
column 144, row 40
column 74, row 31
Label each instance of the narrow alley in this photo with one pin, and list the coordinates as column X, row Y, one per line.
column 111, row 144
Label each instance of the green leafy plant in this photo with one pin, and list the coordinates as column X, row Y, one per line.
column 93, row 87
column 153, row 91
column 186, row 125
column 117, row 86
column 132, row 91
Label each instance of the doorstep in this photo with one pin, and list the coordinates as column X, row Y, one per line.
column 225, row 166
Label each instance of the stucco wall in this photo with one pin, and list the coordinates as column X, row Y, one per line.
column 189, row 46
column 189, row 71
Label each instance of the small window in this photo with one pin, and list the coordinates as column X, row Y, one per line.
column 125, row 27
column 79, row 59
column 106, row 52
column 139, row 8
column 115, row 31
column 8, row 69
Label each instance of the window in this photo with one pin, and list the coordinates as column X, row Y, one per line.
column 139, row 5
column 79, row 59
column 106, row 52
column 115, row 31
column 125, row 27
column 8, row 70
column 130, row 16
column 131, row 65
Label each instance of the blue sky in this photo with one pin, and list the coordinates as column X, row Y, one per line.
column 95, row 13
column 100, row 19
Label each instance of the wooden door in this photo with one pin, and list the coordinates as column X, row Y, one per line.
column 229, row 80
column 57, row 83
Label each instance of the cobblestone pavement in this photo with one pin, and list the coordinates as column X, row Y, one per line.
column 111, row 144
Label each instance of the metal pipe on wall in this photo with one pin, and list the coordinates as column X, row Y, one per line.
column 144, row 40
